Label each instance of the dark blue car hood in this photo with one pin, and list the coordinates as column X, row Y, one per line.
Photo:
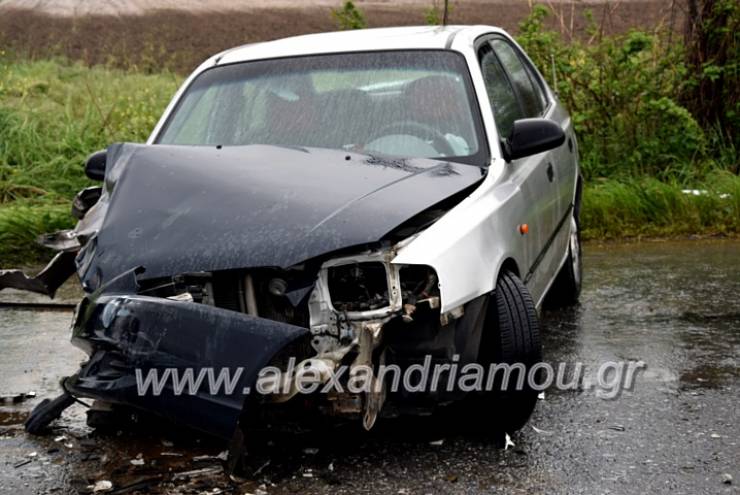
column 177, row 209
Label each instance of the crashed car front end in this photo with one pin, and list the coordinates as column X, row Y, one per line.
column 164, row 299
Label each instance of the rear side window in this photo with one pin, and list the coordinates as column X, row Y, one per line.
column 528, row 89
column 504, row 103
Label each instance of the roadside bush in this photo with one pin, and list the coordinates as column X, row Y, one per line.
column 623, row 93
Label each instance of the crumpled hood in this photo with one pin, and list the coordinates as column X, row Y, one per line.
column 177, row 209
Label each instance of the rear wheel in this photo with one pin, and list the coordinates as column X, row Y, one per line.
column 511, row 336
column 566, row 288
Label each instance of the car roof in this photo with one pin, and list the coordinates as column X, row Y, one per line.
column 396, row 38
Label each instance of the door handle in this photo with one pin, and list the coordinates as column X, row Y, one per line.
column 550, row 172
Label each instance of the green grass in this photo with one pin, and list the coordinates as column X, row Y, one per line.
column 54, row 113
column 20, row 225
column 649, row 208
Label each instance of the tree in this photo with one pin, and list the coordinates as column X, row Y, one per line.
column 713, row 58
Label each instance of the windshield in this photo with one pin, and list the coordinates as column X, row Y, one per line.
column 400, row 103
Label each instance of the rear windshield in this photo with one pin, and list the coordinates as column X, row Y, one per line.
column 399, row 103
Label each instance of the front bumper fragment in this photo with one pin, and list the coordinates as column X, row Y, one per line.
column 126, row 333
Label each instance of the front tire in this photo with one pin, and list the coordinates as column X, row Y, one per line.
column 511, row 335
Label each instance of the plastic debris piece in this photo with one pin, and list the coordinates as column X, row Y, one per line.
column 437, row 442
column 541, row 432
column 508, row 443
column 102, row 486
column 541, row 395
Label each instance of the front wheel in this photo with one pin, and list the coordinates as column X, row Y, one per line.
column 511, row 337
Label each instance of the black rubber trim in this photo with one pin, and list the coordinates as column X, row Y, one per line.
column 549, row 242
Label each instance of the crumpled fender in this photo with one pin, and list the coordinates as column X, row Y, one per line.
column 123, row 333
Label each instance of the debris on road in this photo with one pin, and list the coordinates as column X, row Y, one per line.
column 101, row 486
column 197, row 472
column 17, row 398
column 616, row 427
column 508, row 443
column 261, row 468
column 22, row 463
column 727, row 478
column 437, row 442
column 222, row 456
column 541, row 432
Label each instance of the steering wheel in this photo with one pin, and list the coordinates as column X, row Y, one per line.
column 417, row 129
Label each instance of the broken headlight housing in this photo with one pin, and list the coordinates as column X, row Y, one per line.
column 364, row 289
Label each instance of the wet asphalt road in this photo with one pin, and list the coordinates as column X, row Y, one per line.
column 674, row 306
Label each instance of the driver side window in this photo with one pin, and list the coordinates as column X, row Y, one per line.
column 504, row 103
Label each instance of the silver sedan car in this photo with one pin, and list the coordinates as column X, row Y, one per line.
column 360, row 224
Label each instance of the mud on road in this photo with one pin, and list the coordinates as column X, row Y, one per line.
column 672, row 305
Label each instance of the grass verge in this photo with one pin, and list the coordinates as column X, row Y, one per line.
column 649, row 208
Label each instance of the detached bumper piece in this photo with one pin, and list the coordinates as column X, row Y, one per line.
column 126, row 335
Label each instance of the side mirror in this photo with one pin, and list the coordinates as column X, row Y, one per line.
column 532, row 136
column 95, row 165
